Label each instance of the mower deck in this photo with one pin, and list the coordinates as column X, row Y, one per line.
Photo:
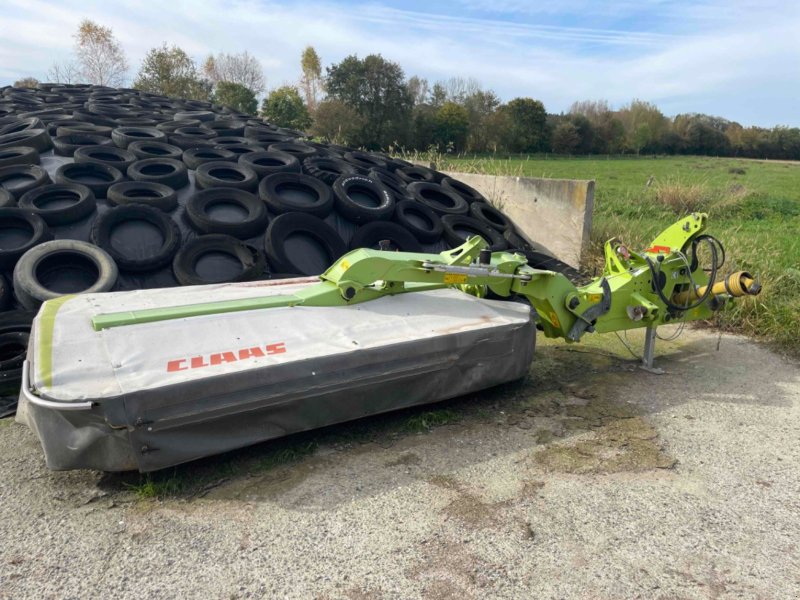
column 153, row 395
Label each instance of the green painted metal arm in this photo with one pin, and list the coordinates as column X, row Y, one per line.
column 623, row 297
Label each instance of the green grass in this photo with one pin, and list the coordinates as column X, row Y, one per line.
column 754, row 209
column 193, row 479
column 430, row 419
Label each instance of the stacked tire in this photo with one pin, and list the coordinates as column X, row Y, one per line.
column 106, row 189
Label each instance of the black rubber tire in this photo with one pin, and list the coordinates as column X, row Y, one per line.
column 267, row 138
column 18, row 155
column 483, row 211
column 372, row 234
column 125, row 136
column 434, row 196
column 252, row 225
column 365, row 160
column 38, row 139
column 415, row 173
column 297, row 149
column 103, row 228
column 166, row 171
column 64, row 257
column 230, row 140
column 72, row 173
column 226, row 127
column 144, row 150
column 198, row 133
column 454, row 234
column 327, row 169
column 469, row 193
column 353, row 210
column 169, row 127
column 112, row 156
column 266, row 163
column 543, row 260
column 90, row 117
column 199, row 115
column 285, row 260
column 225, row 174
column 78, row 128
column 21, row 125
column 7, row 199
column 83, row 202
column 13, row 350
column 396, row 185
column 324, row 151
column 397, row 163
column 184, row 266
column 420, row 220
column 194, row 157
column 242, row 149
column 6, row 294
column 15, row 327
column 35, row 176
column 273, row 187
column 157, row 195
column 31, row 223
column 66, row 145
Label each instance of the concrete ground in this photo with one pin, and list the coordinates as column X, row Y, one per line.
column 590, row 479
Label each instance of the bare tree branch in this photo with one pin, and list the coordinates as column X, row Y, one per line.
column 66, row 72
column 243, row 69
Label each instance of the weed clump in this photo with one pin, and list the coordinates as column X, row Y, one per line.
column 683, row 198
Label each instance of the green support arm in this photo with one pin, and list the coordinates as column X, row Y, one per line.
column 623, row 297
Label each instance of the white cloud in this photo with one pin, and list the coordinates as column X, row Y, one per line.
column 720, row 54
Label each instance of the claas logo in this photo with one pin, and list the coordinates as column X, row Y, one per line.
column 218, row 358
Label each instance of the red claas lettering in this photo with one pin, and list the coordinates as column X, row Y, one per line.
column 218, row 358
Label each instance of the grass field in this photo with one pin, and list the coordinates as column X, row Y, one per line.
column 754, row 208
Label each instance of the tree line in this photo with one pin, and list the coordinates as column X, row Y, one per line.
column 369, row 102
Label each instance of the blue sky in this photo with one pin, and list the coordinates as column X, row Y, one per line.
column 739, row 59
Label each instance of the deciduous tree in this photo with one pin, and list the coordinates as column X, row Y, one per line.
column 452, row 127
column 419, row 89
column 171, row 72
column 99, row 55
column 26, row 82
column 242, row 69
column 480, row 105
column 376, row 89
column 284, row 107
column 311, row 80
column 565, row 138
column 236, row 96
column 526, row 125
column 337, row 122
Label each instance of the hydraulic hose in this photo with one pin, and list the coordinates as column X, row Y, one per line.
column 712, row 244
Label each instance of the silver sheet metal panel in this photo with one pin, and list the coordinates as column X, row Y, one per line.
column 168, row 392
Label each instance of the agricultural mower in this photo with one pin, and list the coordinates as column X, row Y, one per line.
column 153, row 378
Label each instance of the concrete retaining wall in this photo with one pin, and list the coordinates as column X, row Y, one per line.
column 556, row 213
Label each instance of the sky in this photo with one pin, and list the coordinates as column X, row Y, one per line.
column 738, row 59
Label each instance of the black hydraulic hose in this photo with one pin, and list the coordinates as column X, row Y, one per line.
column 712, row 276
column 713, row 240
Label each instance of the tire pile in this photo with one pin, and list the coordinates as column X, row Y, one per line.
column 107, row 189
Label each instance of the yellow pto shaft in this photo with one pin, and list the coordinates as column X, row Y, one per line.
column 736, row 285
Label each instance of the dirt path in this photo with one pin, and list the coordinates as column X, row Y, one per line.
column 590, row 479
